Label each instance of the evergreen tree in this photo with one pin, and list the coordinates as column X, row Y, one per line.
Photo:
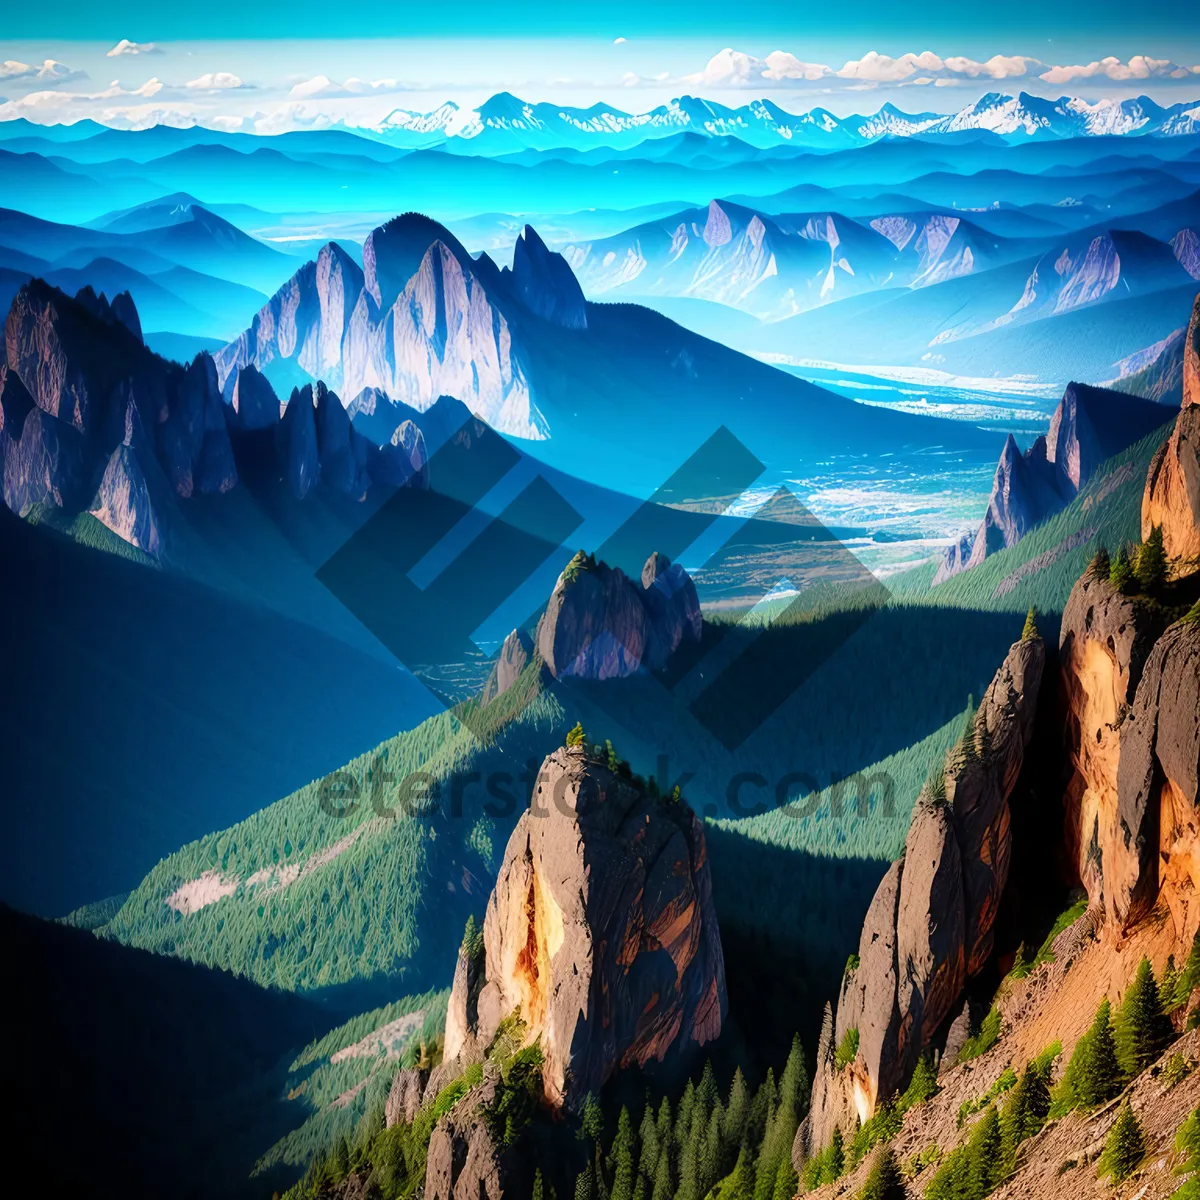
column 836, row 1163
column 1094, row 1072
column 664, row 1123
column 341, row 1159
column 738, row 1110
column 539, row 1188
column 585, row 1184
column 923, row 1085
column 623, row 1152
column 762, row 1108
column 651, row 1145
column 689, row 1169
column 1124, row 1147
column 739, row 1183
column 785, row 1180
column 663, row 1184
column 985, row 1153
column 1031, row 630
column 1187, row 1143
column 883, row 1181
column 683, row 1119
column 1142, row 1026
column 1120, row 574
column 707, row 1096
column 1189, row 977
column 712, row 1155
column 591, row 1120
column 575, row 735
column 1151, row 567
column 794, row 1084
column 1168, row 983
column 1026, row 1110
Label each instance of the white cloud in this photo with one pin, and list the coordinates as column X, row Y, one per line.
column 729, row 68
column 999, row 66
column 880, row 68
column 216, row 81
column 50, row 74
column 125, row 46
column 1138, row 67
column 322, row 87
column 618, row 41
column 780, row 66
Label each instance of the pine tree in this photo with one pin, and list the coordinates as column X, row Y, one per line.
column 836, row 1163
column 664, row 1123
column 663, row 1185
column 786, row 1180
column 794, row 1082
column 651, row 1145
column 575, row 735
column 1189, row 977
column 1187, row 1144
column 585, row 1184
column 1124, row 1147
column 1151, row 567
column 985, row 1153
column 1031, row 630
column 738, row 1109
column 883, row 1181
column 623, row 1158
column 1026, row 1110
column 591, row 1120
column 707, row 1096
column 689, row 1169
column 739, row 1183
column 1094, row 1072
column 341, row 1159
column 923, row 1085
column 539, row 1188
column 1168, row 983
column 712, row 1155
column 683, row 1119
column 1142, row 1026
column 1120, row 574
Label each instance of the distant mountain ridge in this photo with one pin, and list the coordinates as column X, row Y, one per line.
column 506, row 122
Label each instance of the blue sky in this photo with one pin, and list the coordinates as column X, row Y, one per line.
column 226, row 65
column 877, row 21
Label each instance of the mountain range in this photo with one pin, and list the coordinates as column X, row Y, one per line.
column 505, row 123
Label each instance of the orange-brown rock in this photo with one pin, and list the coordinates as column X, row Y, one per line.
column 600, row 931
column 929, row 925
column 1172, row 495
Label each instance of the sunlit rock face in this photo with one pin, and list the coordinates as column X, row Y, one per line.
column 929, row 927
column 1172, row 495
column 421, row 319
column 1133, row 735
column 600, row 931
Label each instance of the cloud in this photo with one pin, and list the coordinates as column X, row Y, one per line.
column 125, row 46
column 618, row 41
column 880, row 68
column 729, row 68
column 324, row 88
column 780, row 66
column 1138, row 67
column 216, row 81
column 50, row 74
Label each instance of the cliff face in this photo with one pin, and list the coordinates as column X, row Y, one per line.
column 929, row 926
column 421, row 319
column 1132, row 735
column 600, row 931
column 1088, row 426
column 600, row 624
column 90, row 420
column 1172, row 496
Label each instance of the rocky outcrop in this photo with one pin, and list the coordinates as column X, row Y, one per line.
column 929, row 927
column 1172, row 495
column 1133, row 736
column 600, row 931
column 600, row 624
column 120, row 311
column 545, row 283
column 90, row 420
column 404, row 1096
column 420, row 320
column 515, row 655
column 304, row 321
column 252, row 399
column 464, row 1162
column 1088, row 426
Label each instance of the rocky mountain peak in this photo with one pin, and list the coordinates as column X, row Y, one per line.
column 545, row 283
column 600, row 931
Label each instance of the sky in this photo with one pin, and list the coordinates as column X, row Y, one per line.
column 225, row 65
